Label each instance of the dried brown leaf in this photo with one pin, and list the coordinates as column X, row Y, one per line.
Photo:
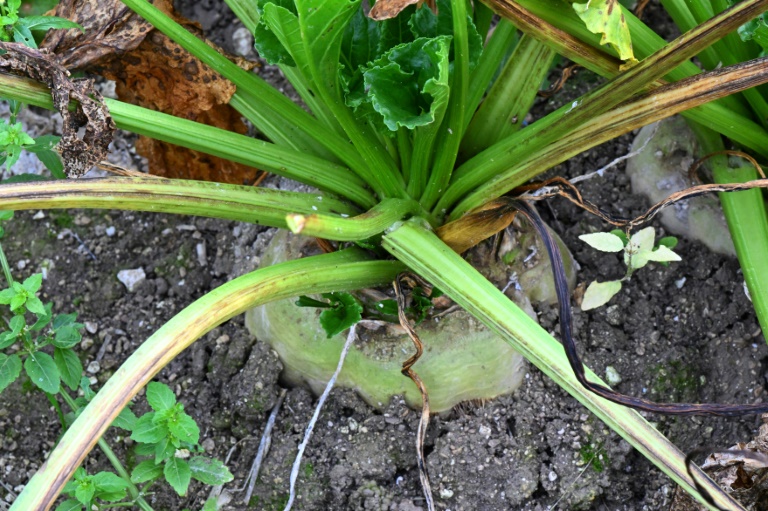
column 111, row 30
column 388, row 9
column 78, row 154
column 152, row 71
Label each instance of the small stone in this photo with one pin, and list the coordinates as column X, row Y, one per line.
column 612, row 376
column 110, row 231
column 86, row 343
column 82, row 220
column 202, row 254
column 223, row 339
column 552, row 476
column 93, row 368
column 445, row 493
column 131, row 278
column 208, row 444
column 39, row 216
column 242, row 41
column 91, row 327
column 484, row 430
column 21, row 264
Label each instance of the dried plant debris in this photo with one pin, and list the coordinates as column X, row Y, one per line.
column 111, row 30
column 742, row 471
column 152, row 71
column 78, row 154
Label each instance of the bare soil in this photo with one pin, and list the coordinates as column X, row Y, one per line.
column 682, row 333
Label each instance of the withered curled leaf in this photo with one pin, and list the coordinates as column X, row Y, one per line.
column 78, row 154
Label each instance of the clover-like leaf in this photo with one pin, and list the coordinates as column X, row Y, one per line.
column 599, row 293
column 663, row 254
column 603, row 241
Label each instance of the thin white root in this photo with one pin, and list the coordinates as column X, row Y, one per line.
column 311, row 425
column 266, row 441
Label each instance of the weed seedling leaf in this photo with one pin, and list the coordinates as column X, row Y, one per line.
column 184, row 428
column 147, row 431
column 146, row 471
column 599, row 293
column 160, row 397
column 603, row 241
column 126, row 420
column 209, row 471
column 42, row 370
column 110, row 487
column 69, row 366
column 10, row 368
column 178, row 474
column 69, row 505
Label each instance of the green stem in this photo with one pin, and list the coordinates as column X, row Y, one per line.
column 339, row 271
column 504, row 35
column 747, row 221
column 361, row 227
column 113, row 459
column 546, row 18
column 449, row 137
column 563, row 121
column 425, row 254
column 232, row 146
column 56, row 406
column 510, row 98
column 247, row 204
column 640, row 111
column 6, row 267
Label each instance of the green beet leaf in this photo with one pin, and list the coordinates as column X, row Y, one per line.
column 346, row 312
column 403, row 84
column 425, row 23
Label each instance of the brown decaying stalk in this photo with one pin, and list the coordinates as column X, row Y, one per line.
column 408, row 371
